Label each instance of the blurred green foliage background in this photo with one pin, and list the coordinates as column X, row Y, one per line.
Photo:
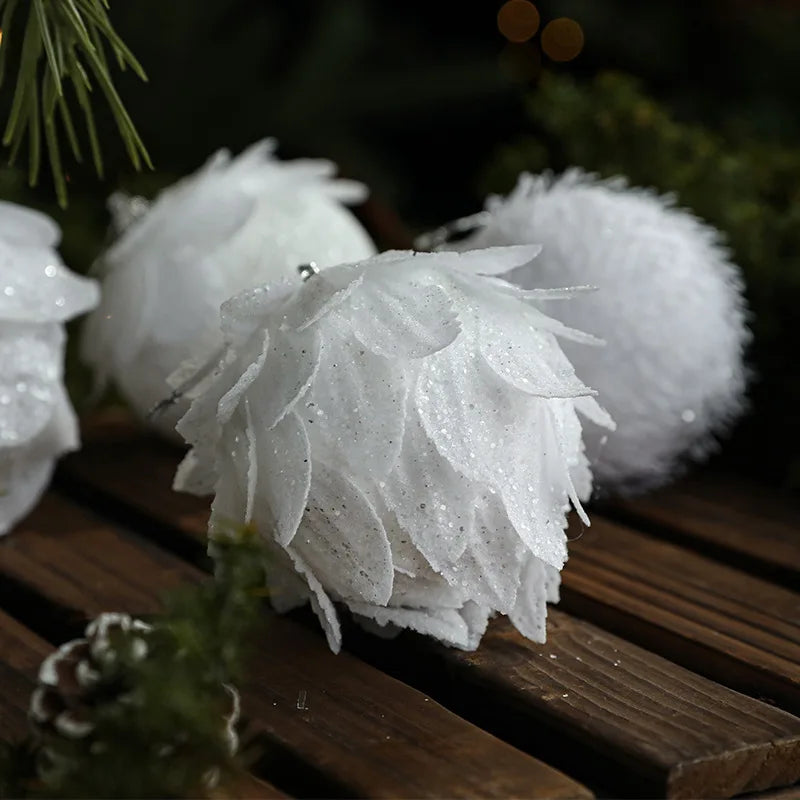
column 432, row 107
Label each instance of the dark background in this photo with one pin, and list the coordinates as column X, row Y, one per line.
column 429, row 104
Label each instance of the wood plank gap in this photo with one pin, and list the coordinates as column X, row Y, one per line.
column 748, row 527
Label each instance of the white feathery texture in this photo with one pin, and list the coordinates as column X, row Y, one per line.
column 233, row 225
column 38, row 294
column 669, row 305
column 403, row 430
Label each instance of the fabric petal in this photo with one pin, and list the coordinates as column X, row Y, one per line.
column 35, row 286
column 496, row 437
column 259, row 349
column 445, row 624
column 25, row 471
column 291, row 366
column 343, row 541
column 283, row 458
column 355, row 409
column 31, row 358
column 431, row 501
column 529, row 615
column 403, row 324
column 322, row 294
column 320, row 602
column 488, row 261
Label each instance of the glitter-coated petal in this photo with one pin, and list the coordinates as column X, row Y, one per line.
column 355, row 410
column 342, row 538
column 403, row 326
column 30, row 378
column 283, row 456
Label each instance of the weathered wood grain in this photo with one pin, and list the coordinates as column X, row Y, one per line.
column 737, row 629
column 756, row 529
column 362, row 731
column 672, row 731
column 21, row 653
column 678, row 733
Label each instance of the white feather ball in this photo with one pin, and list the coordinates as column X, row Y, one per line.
column 38, row 294
column 235, row 224
column 669, row 306
column 404, row 431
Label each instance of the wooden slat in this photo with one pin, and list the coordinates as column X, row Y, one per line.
column 610, row 707
column 21, row 653
column 667, row 729
column 719, row 621
column 362, row 730
column 84, row 565
column 757, row 529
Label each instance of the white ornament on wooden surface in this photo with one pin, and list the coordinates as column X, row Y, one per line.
column 234, row 224
column 669, row 305
column 38, row 294
column 404, row 430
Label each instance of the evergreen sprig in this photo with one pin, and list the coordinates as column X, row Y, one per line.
column 174, row 697
column 62, row 42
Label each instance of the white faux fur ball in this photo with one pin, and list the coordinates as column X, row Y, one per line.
column 234, row 224
column 669, row 305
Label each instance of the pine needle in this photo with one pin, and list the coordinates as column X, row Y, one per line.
column 62, row 42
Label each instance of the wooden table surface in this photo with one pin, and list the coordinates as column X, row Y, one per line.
column 671, row 669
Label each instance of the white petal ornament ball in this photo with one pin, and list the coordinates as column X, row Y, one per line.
column 38, row 294
column 405, row 432
column 235, row 224
column 669, row 306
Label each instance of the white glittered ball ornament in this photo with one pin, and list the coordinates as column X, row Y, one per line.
column 234, row 224
column 669, row 306
column 404, row 432
column 38, row 294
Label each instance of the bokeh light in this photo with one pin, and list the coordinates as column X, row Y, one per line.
column 562, row 39
column 518, row 20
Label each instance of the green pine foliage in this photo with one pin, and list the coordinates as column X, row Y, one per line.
column 47, row 45
column 747, row 187
column 159, row 733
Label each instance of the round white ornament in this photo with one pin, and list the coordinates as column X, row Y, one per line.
column 404, row 431
column 234, row 224
column 38, row 294
column 669, row 306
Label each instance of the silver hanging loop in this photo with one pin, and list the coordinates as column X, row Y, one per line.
column 308, row 270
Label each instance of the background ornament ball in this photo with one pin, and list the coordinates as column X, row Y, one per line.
column 669, row 305
column 234, row 224
column 404, row 433
column 38, row 294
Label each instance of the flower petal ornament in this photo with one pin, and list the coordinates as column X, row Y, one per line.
column 233, row 225
column 404, row 431
column 38, row 294
column 669, row 306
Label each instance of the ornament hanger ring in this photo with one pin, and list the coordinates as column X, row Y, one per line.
column 308, row 270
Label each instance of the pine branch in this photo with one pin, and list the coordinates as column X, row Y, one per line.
column 62, row 43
